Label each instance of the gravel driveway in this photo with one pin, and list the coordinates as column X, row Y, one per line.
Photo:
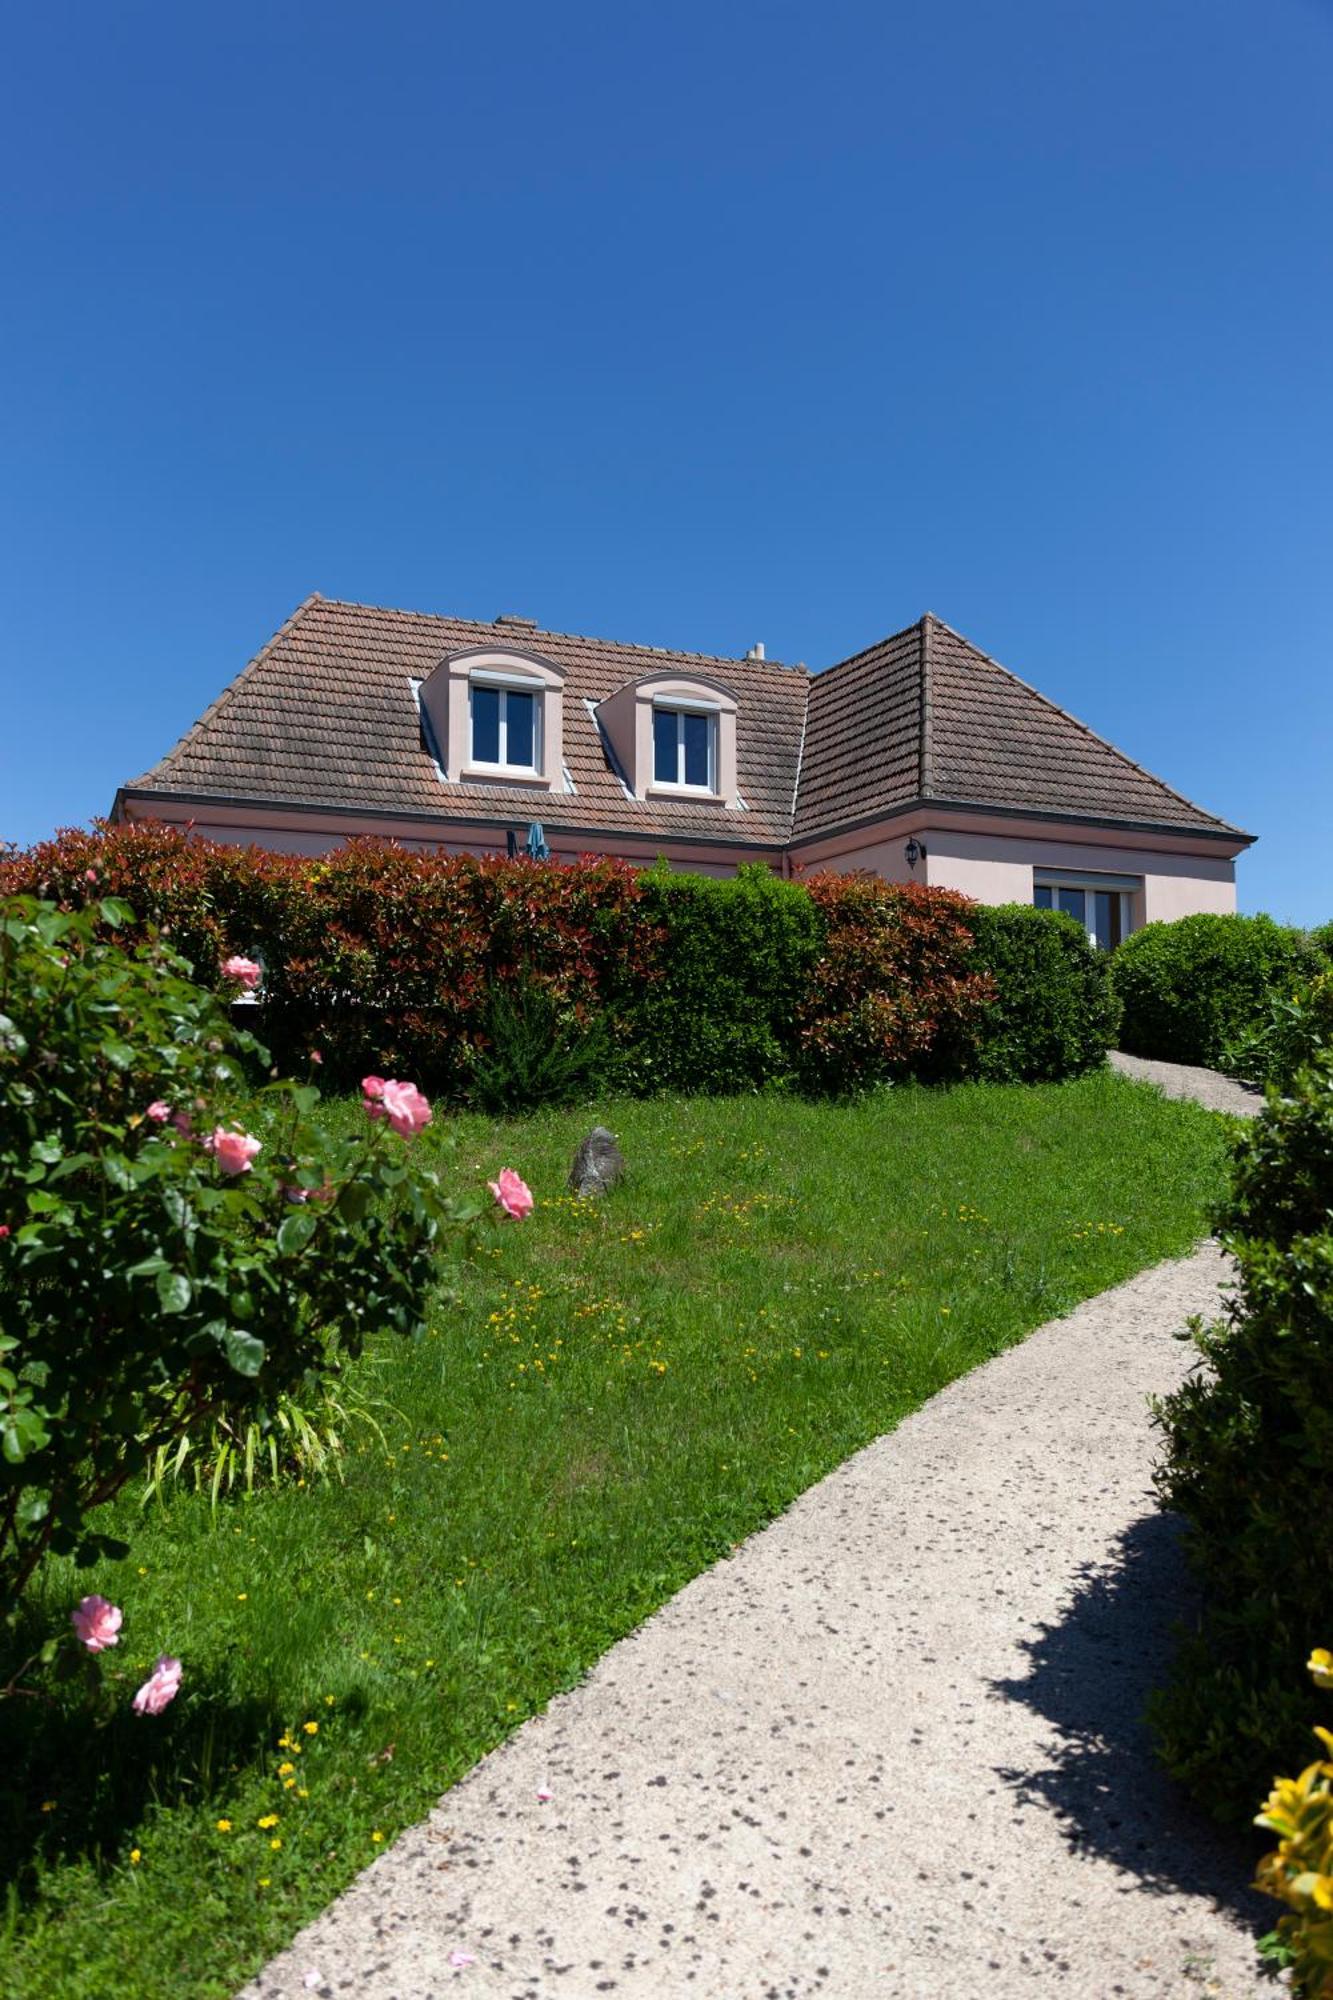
column 889, row 1748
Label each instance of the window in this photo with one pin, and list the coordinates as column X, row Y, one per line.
column 1103, row 913
column 505, row 727
column 685, row 748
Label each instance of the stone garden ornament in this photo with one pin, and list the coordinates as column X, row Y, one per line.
column 598, row 1164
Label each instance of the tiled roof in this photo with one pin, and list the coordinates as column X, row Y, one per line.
column 926, row 715
column 325, row 716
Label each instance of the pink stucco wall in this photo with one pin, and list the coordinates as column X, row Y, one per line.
column 1178, row 873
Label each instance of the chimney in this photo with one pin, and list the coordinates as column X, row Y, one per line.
column 508, row 618
column 756, row 651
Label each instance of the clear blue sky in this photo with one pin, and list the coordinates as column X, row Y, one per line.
column 694, row 325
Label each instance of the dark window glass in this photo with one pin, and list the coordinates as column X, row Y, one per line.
column 664, row 746
column 485, row 725
column 697, row 728
column 1074, row 903
column 1107, row 906
column 520, row 715
column 1041, row 896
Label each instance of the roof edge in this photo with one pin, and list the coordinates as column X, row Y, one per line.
column 229, row 690
column 722, row 838
column 1222, row 834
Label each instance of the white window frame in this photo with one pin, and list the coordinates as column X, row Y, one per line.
column 680, row 709
column 1088, row 886
column 505, row 685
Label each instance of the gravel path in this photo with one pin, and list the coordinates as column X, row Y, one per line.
column 1206, row 1086
column 890, row 1749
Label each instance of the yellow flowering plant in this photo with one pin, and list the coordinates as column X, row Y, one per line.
column 1299, row 1870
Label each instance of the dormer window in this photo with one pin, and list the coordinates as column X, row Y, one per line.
column 673, row 735
column 495, row 716
column 506, row 726
column 685, row 747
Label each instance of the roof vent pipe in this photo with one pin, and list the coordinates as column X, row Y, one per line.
column 756, row 651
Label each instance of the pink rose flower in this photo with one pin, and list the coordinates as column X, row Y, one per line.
column 233, row 1151
column 161, row 1687
column 372, row 1089
column 315, row 1056
column 4, row 1230
column 243, row 971
column 97, row 1622
column 512, row 1193
column 158, row 1111
column 90, row 874
column 405, row 1108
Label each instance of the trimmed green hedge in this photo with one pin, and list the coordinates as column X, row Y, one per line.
column 510, row 983
column 1055, row 1012
column 1192, row 990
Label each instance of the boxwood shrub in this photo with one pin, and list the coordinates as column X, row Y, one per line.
column 1191, row 989
column 1055, row 1012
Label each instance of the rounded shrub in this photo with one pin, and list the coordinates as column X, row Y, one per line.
column 1249, row 1464
column 1189, row 990
column 1055, row 1012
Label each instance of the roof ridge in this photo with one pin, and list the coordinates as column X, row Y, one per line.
column 924, row 773
column 835, row 666
column 580, row 638
column 232, row 687
column 1104, row 741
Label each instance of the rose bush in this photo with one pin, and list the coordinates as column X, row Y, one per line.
column 160, row 1262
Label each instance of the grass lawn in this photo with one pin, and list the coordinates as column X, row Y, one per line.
column 627, row 1390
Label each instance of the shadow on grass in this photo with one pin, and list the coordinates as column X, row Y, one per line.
column 77, row 1777
column 1090, row 1676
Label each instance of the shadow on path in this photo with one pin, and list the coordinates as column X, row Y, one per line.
column 1090, row 1677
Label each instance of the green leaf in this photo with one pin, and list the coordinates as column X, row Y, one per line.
column 174, row 1291
column 296, row 1232
column 244, row 1351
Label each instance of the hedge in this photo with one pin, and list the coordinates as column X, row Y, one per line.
column 1249, row 1464
column 1192, row 991
column 462, row 972
column 1055, row 1012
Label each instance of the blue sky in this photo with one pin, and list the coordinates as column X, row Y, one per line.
column 693, row 325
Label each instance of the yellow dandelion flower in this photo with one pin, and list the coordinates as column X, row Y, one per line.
column 135, row 1857
column 268, row 1820
column 276, row 1842
column 285, row 1769
column 310, row 1728
column 224, row 1826
column 377, row 1836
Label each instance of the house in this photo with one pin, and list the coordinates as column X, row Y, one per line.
column 920, row 759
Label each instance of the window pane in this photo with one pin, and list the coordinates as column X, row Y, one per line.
column 1106, row 922
column 1041, row 896
column 698, row 732
column 1074, row 903
column 485, row 725
column 664, row 746
column 520, row 715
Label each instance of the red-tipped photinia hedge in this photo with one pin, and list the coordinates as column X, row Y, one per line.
column 384, row 961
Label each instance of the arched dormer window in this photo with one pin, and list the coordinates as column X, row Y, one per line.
column 497, row 718
column 674, row 736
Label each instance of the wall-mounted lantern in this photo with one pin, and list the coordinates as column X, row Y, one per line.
column 915, row 851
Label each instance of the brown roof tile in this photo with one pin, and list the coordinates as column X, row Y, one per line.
column 325, row 716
